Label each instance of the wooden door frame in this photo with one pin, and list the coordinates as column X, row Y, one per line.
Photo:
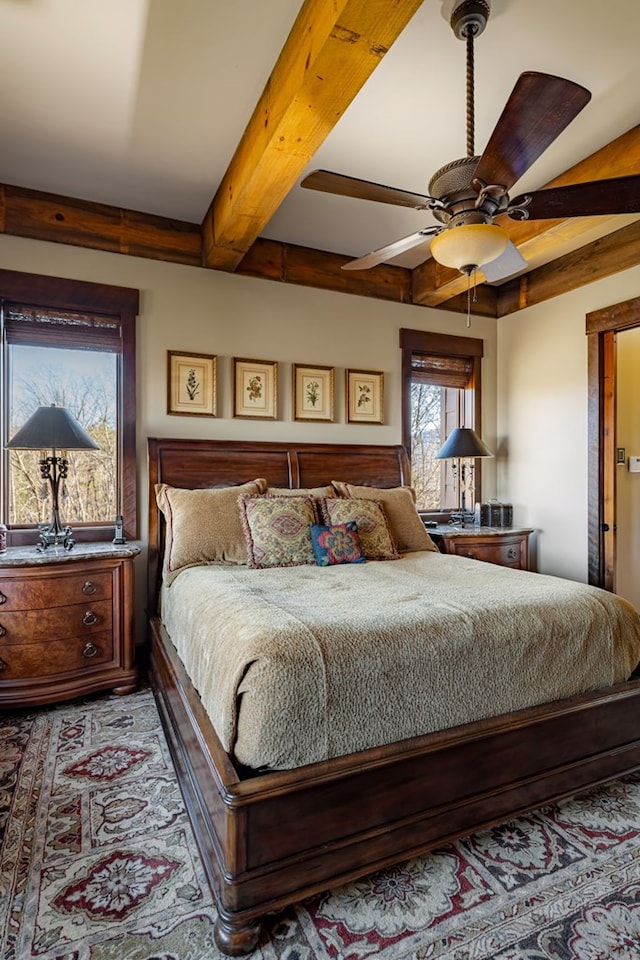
column 602, row 326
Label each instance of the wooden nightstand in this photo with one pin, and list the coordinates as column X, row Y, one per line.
column 66, row 623
column 508, row 546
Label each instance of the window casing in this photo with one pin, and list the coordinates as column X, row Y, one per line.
column 441, row 390
column 54, row 321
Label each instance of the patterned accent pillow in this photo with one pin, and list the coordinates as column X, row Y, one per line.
column 399, row 503
column 315, row 492
column 278, row 530
column 337, row 544
column 202, row 526
column 369, row 516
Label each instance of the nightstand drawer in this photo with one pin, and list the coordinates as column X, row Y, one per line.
column 37, row 593
column 502, row 546
column 53, row 657
column 505, row 554
column 80, row 619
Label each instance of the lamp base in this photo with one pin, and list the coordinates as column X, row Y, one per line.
column 50, row 536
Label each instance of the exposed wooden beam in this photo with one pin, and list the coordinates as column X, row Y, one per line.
column 333, row 48
column 434, row 284
column 288, row 263
column 604, row 257
column 45, row 216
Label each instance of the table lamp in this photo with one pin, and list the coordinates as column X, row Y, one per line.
column 56, row 429
column 461, row 445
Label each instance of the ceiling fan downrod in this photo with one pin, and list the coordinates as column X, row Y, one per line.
column 468, row 20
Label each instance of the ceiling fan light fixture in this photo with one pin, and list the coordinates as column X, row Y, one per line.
column 469, row 245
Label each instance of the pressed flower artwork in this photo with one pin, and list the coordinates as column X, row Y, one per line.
column 191, row 384
column 312, row 393
column 255, row 389
column 364, row 396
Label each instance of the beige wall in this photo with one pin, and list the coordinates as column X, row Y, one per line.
column 185, row 308
column 628, row 484
column 542, row 419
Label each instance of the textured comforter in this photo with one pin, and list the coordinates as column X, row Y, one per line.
column 300, row 664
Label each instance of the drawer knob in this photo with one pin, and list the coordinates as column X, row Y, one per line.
column 89, row 651
column 89, row 588
column 3, row 665
column 90, row 618
column 512, row 553
column 3, row 630
column 3, row 599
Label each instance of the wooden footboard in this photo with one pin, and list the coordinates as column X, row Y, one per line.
column 270, row 840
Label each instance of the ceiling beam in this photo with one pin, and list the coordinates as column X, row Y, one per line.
column 333, row 48
column 434, row 284
column 46, row 216
column 604, row 257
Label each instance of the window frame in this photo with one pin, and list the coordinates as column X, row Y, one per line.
column 80, row 296
column 447, row 346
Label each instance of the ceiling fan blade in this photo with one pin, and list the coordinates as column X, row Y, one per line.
column 618, row 195
column 538, row 110
column 508, row 264
column 382, row 254
column 337, row 183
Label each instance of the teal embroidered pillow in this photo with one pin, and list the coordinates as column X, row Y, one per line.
column 277, row 530
column 336, row 544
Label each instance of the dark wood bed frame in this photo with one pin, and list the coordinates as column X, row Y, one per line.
column 269, row 840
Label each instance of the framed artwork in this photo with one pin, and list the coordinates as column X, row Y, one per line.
column 255, row 389
column 312, row 393
column 364, row 395
column 191, row 384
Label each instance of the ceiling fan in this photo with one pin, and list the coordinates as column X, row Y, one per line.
column 467, row 194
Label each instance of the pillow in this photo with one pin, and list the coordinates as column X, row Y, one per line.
column 315, row 492
column 337, row 544
column 203, row 526
column 278, row 530
column 375, row 538
column 407, row 529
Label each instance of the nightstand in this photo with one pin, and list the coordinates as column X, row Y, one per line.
column 506, row 546
column 66, row 623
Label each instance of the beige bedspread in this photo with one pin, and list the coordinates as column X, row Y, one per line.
column 302, row 664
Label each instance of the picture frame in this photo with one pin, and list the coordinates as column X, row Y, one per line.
column 364, row 394
column 313, row 392
column 255, row 389
column 191, row 384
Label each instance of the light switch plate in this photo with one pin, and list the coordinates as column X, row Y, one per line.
column 634, row 464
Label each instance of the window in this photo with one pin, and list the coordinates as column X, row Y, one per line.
column 72, row 344
column 441, row 391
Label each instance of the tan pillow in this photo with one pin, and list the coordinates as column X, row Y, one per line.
column 315, row 492
column 375, row 539
column 203, row 526
column 407, row 529
column 278, row 530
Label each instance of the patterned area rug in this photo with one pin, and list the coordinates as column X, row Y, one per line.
column 98, row 862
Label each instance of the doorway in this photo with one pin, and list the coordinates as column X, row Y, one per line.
column 602, row 328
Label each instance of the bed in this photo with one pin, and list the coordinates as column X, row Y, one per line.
column 269, row 837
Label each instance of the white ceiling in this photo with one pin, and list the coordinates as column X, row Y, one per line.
column 141, row 103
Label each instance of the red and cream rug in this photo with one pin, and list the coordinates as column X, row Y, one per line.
column 99, row 863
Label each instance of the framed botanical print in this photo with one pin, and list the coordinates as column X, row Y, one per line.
column 191, row 384
column 312, row 393
column 364, row 396
column 255, row 389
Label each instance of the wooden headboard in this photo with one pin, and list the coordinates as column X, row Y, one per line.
column 198, row 464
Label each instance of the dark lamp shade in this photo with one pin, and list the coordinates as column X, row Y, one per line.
column 52, row 427
column 463, row 442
